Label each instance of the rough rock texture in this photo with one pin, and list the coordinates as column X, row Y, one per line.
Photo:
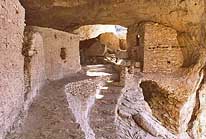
column 135, row 42
column 133, row 115
column 123, row 44
column 199, row 125
column 11, row 63
column 162, row 53
column 95, row 48
column 133, row 32
column 179, row 95
column 110, row 40
column 172, row 94
column 103, row 43
column 81, row 97
column 180, row 15
column 61, row 52
column 185, row 16
column 171, row 98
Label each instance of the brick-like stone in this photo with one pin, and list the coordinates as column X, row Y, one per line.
column 162, row 52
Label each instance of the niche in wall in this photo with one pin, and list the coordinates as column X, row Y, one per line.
column 63, row 53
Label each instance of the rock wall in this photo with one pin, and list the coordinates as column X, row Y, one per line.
column 191, row 51
column 134, row 118
column 34, row 65
column 135, row 39
column 123, row 44
column 175, row 103
column 95, row 49
column 162, row 53
column 11, row 63
column 180, row 15
column 61, row 52
column 173, row 95
column 199, row 124
column 43, row 59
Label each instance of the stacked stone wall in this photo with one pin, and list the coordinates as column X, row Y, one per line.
column 61, row 52
column 162, row 52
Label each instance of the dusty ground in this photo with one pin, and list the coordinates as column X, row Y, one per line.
column 103, row 114
column 50, row 117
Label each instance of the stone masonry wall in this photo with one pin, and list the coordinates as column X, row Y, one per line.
column 161, row 49
column 61, row 52
column 11, row 62
column 34, row 65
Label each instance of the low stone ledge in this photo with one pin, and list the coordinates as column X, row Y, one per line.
column 81, row 96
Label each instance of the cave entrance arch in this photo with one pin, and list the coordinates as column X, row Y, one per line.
column 102, row 44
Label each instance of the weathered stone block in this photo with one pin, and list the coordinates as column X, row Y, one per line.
column 81, row 97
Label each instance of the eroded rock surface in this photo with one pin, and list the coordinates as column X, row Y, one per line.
column 181, row 15
column 134, row 118
column 175, row 100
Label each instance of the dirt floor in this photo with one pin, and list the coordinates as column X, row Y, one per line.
column 50, row 117
column 103, row 113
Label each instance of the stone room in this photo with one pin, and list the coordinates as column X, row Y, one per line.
column 102, row 69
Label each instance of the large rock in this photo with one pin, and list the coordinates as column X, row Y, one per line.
column 180, row 15
column 93, row 31
column 110, row 40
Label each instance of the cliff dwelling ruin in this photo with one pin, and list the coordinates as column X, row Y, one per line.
column 102, row 69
